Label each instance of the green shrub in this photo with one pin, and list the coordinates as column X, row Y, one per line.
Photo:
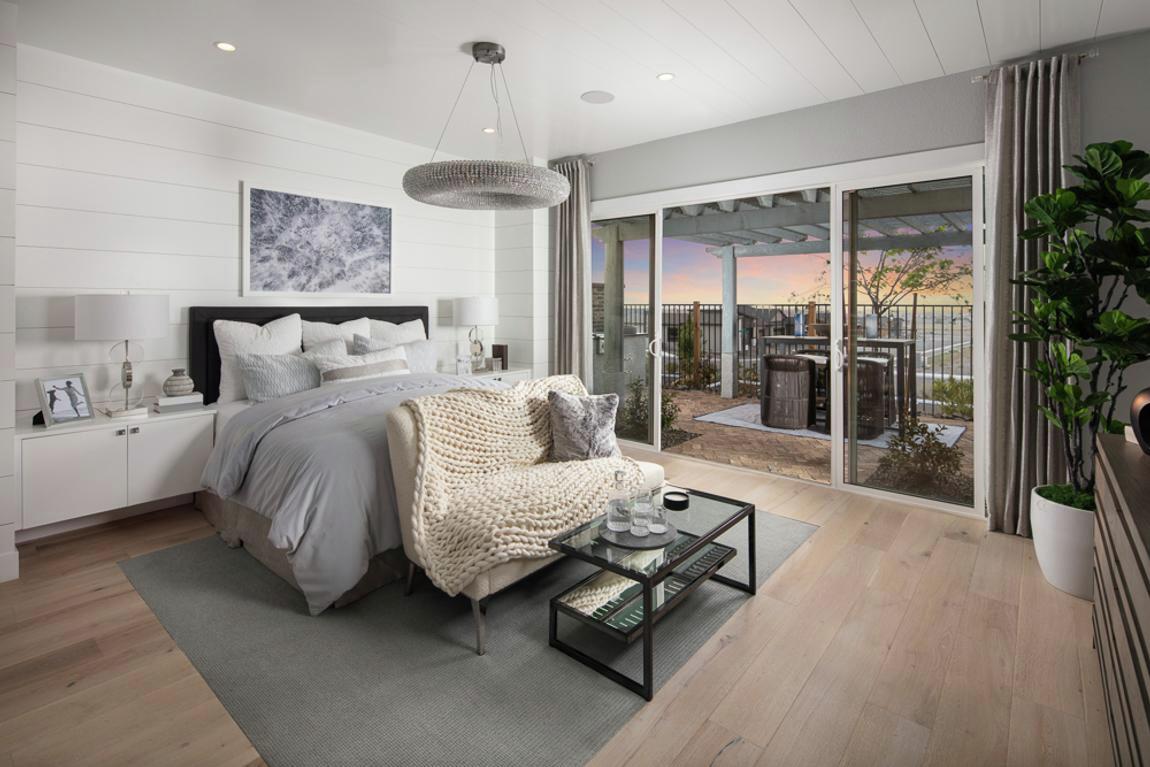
column 920, row 463
column 955, row 398
column 632, row 417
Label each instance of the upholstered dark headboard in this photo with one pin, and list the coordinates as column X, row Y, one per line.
column 204, row 355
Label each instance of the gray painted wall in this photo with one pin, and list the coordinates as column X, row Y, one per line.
column 927, row 115
column 938, row 113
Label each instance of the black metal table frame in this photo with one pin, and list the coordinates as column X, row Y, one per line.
column 649, row 582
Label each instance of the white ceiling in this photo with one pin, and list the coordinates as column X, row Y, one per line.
column 394, row 66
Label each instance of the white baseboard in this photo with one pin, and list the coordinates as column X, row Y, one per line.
column 69, row 525
column 9, row 566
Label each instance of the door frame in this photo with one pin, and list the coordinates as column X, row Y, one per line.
column 964, row 160
column 976, row 171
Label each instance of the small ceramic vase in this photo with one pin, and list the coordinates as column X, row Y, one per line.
column 178, row 383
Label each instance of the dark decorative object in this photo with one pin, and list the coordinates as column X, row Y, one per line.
column 1140, row 419
column 499, row 352
column 628, row 541
column 676, row 501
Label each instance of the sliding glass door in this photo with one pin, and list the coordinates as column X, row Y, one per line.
column 624, row 337
column 746, row 323
column 909, row 332
column 827, row 330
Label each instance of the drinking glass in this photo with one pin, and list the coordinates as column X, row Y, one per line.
column 658, row 524
column 641, row 513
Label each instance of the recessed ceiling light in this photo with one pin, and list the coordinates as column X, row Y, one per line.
column 598, row 97
column 488, row 130
column 225, row 47
column 665, row 76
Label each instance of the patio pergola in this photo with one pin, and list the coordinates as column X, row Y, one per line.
column 918, row 215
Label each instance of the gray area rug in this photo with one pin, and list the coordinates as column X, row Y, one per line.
column 394, row 680
column 748, row 417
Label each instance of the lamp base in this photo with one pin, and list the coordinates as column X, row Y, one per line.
column 131, row 412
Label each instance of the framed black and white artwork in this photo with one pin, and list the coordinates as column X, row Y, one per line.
column 296, row 244
column 64, row 399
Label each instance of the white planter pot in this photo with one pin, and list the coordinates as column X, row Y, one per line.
column 1064, row 545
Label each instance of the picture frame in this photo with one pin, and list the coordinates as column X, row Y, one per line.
column 266, row 271
column 65, row 399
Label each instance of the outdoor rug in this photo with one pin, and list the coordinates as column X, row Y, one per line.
column 394, row 680
column 747, row 417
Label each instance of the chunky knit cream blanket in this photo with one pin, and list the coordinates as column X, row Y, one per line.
column 484, row 490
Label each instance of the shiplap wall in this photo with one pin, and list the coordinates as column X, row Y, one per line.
column 9, row 559
column 128, row 182
column 523, row 285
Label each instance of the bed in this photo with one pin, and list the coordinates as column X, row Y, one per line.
column 304, row 482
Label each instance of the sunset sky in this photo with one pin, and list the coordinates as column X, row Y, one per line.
column 690, row 273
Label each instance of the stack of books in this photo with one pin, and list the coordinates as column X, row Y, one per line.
column 193, row 401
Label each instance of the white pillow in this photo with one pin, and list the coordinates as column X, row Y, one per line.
column 316, row 332
column 341, row 368
column 326, row 348
column 422, row 356
column 280, row 336
column 394, row 335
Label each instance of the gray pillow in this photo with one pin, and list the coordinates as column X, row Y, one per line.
column 582, row 427
column 422, row 356
column 268, row 376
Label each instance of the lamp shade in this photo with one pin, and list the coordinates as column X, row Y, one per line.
column 477, row 310
column 121, row 317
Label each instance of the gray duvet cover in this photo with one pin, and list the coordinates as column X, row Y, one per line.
column 316, row 464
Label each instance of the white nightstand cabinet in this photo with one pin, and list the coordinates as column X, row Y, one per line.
column 72, row 471
column 513, row 375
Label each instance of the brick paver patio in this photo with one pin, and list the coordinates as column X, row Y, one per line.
column 790, row 455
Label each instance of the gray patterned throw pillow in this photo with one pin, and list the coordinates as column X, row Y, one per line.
column 582, row 427
column 270, row 376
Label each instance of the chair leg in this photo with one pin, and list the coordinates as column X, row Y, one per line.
column 479, row 612
column 409, row 585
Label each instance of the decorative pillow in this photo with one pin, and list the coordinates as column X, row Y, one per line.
column 317, row 332
column 393, row 334
column 582, row 427
column 268, row 376
column 280, row 336
column 326, row 348
column 345, row 367
column 422, row 356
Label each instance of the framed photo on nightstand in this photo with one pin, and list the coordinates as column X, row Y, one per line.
column 64, row 399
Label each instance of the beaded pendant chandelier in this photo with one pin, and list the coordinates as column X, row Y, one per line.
column 486, row 184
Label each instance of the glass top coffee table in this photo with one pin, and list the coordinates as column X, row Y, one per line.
column 635, row 588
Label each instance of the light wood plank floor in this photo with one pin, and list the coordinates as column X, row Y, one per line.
column 894, row 636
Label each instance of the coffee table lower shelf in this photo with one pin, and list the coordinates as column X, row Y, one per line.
column 619, row 607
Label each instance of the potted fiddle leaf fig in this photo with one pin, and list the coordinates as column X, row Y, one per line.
column 1096, row 260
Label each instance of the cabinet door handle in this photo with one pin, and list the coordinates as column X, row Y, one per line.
column 120, row 432
column 134, row 430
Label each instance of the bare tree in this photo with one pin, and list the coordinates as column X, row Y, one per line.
column 897, row 274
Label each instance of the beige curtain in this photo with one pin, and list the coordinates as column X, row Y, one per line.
column 1032, row 130
column 570, row 270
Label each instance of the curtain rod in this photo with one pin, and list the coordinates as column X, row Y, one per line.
column 1090, row 54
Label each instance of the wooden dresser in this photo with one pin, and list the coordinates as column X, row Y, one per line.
column 1122, row 594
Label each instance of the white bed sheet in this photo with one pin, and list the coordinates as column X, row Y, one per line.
column 225, row 412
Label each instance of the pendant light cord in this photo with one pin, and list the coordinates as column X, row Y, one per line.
column 514, row 116
column 451, row 114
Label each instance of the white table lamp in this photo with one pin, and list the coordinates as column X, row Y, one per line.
column 476, row 311
column 121, row 318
